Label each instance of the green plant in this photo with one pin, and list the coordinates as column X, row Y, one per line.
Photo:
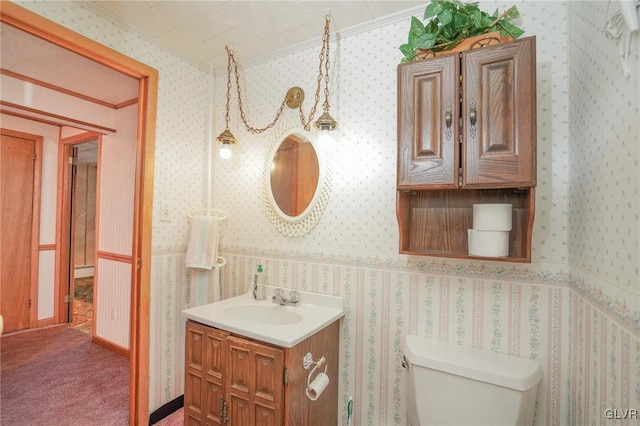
column 448, row 22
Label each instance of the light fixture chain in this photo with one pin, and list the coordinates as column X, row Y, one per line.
column 241, row 106
column 226, row 115
column 327, row 64
column 323, row 74
column 324, row 55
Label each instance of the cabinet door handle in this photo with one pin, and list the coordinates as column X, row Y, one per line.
column 473, row 116
column 447, row 119
column 223, row 411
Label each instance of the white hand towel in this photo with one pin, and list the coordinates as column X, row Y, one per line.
column 205, row 287
column 202, row 252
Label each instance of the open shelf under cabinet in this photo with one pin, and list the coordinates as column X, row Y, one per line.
column 435, row 222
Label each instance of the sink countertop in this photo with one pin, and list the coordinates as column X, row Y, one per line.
column 317, row 311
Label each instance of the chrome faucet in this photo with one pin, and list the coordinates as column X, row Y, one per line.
column 280, row 299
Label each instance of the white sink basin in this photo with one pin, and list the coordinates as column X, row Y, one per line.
column 284, row 326
column 262, row 314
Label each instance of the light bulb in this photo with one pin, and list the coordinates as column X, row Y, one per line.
column 325, row 137
column 225, row 151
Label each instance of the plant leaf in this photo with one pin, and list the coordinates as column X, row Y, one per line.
column 445, row 17
column 508, row 29
column 476, row 16
column 417, row 27
column 408, row 52
column 512, row 13
column 432, row 10
column 425, row 41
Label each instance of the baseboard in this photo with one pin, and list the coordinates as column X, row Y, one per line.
column 168, row 408
column 110, row 346
column 47, row 322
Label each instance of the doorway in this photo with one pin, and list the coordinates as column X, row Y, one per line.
column 83, row 188
column 147, row 77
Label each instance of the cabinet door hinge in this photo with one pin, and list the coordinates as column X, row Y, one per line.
column 35, row 156
column 29, row 303
column 73, row 161
column 67, row 298
column 285, row 376
column 139, row 263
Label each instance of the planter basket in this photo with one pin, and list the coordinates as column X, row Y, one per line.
column 475, row 42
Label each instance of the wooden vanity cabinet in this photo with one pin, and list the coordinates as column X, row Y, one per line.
column 235, row 380
column 466, row 134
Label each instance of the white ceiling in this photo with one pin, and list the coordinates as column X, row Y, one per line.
column 197, row 31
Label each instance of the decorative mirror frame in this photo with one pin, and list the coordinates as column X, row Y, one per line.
column 297, row 226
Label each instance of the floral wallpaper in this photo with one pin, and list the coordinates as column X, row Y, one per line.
column 604, row 225
column 572, row 309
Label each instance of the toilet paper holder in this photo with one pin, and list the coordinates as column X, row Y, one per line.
column 307, row 362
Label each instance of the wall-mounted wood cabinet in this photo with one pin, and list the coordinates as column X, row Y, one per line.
column 466, row 134
column 234, row 380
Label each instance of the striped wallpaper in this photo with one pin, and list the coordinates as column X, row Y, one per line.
column 523, row 312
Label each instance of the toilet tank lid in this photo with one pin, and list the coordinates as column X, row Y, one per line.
column 490, row 367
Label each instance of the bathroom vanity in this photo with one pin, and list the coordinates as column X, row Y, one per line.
column 244, row 361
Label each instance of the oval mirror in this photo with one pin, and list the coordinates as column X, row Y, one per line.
column 294, row 174
column 297, row 182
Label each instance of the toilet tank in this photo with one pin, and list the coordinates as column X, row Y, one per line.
column 450, row 384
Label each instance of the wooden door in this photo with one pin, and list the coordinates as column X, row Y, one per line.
column 17, row 202
column 499, row 115
column 254, row 383
column 428, row 111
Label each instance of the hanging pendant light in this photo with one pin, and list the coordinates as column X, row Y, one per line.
column 293, row 99
column 226, row 138
column 325, row 123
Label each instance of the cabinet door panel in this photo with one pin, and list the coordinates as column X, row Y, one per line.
column 239, row 368
column 428, row 111
column 195, row 348
column 193, row 388
column 254, row 381
column 265, row 416
column 498, row 110
column 214, row 354
column 213, row 396
column 191, row 420
column 240, row 411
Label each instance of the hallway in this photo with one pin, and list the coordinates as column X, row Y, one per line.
column 56, row 376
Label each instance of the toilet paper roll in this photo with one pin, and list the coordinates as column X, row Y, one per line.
column 319, row 384
column 488, row 243
column 492, row 217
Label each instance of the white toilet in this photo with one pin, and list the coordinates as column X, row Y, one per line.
column 456, row 385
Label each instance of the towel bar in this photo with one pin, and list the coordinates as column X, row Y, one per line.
column 221, row 262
